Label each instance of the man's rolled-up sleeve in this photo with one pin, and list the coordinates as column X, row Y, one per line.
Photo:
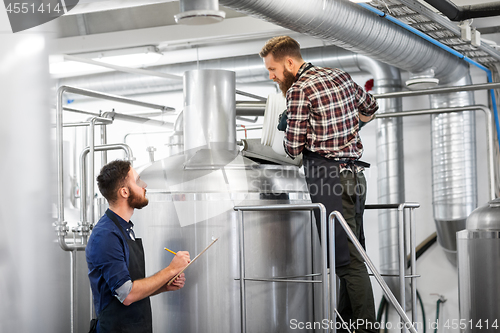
column 298, row 107
column 366, row 103
column 109, row 258
column 123, row 291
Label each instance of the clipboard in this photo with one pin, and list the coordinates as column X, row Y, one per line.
column 182, row 270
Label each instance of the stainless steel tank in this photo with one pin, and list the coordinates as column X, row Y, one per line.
column 479, row 269
column 189, row 207
column 191, row 200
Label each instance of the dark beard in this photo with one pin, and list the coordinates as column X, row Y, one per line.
column 137, row 202
column 287, row 82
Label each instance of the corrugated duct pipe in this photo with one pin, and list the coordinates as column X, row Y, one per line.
column 454, row 189
column 356, row 29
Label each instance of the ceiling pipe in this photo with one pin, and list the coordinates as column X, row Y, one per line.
column 355, row 28
column 454, row 183
column 461, row 13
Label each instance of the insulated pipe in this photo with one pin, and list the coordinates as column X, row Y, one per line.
column 339, row 22
column 454, row 188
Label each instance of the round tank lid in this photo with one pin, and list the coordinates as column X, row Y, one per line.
column 486, row 217
column 200, row 17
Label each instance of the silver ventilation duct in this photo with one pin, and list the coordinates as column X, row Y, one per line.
column 198, row 12
column 356, row 29
column 454, row 189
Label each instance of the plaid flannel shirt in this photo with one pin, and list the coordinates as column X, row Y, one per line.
column 323, row 107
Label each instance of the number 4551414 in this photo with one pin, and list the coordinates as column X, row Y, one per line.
column 464, row 324
column 25, row 8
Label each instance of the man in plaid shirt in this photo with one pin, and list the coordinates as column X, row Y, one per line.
column 325, row 109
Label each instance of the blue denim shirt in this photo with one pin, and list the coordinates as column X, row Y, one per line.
column 107, row 256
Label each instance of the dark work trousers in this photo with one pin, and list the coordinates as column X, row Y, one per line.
column 356, row 304
column 323, row 181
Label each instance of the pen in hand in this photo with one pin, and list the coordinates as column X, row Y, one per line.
column 171, row 251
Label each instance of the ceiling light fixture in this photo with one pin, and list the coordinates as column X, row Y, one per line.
column 129, row 57
column 198, row 12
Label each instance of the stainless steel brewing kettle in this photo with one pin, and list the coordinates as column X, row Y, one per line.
column 486, row 217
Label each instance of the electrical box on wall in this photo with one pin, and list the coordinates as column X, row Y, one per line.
column 476, row 37
column 465, row 31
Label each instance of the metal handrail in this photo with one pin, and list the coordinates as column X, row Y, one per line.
column 329, row 299
column 285, row 207
column 61, row 224
column 489, row 132
column 83, row 181
column 402, row 256
column 399, row 308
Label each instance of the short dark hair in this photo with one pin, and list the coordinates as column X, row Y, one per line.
column 281, row 47
column 112, row 177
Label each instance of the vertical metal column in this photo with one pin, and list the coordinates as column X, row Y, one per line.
column 104, row 140
column 333, row 280
column 413, row 258
column 402, row 258
column 242, row 277
column 324, row 260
